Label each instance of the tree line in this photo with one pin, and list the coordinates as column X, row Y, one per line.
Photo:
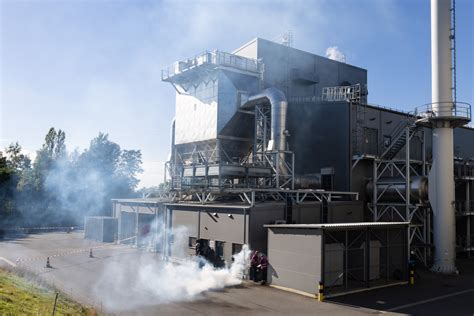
column 59, row 187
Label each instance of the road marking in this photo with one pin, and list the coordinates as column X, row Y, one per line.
column 437, row 298
column 8, row 262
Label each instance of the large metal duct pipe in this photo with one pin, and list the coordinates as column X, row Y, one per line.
column 394, row 189
column 308, row 181
column 278, row 108
column 173, row 129
column 442, row 175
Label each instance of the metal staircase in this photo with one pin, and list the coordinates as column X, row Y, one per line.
column 391, row 172
column 399, row 137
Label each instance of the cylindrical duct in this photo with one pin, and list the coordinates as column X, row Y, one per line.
column 394, row 189
column 278, row 126
column 278, row 108
column 441, row 177
column 173, row 128
column 308, row 181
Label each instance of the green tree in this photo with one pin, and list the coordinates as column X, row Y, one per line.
column 6, row 173
column 52, row 151
column 129, row 167
column 16, row 159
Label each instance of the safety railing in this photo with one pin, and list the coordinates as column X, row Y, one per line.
column 217, row 58
column 461, row 110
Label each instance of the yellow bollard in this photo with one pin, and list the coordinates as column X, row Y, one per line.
column 321, row 292
column 412, row 276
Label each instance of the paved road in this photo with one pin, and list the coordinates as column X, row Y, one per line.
column 88, row 280
column 432, row 294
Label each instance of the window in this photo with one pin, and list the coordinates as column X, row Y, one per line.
column 192, row 242
column 219, row 248
column 387, row 140
column 236, row 248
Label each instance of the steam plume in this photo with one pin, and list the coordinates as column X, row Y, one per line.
column 334, row 53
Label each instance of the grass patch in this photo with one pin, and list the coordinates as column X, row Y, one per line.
column 19, row 296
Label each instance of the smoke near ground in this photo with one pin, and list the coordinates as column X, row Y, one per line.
column 132, row 282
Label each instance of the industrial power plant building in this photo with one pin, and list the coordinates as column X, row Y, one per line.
column 279, row 149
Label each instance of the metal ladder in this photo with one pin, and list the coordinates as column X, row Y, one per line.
column 452, row 37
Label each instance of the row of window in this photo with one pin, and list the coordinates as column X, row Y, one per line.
column 216, row 244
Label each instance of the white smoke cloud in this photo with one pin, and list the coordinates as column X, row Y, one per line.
column 145, row 280
column 334, row 53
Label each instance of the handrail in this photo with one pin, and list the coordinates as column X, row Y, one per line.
column 444, row 109
column 214, row 58
column 397, row 132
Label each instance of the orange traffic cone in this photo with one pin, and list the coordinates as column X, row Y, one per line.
column 90, row 253
column 48, row 265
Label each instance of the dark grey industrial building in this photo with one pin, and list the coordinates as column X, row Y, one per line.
column 272, row 135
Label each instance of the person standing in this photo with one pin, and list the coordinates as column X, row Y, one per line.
column 263, row 268
column 254, row 262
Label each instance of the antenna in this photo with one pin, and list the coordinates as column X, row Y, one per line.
column 287, row 38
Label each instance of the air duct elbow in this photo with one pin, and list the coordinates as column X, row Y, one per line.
column 278, row 105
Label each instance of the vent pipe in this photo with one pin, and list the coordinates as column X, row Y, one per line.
column 172, row 140
column 278, row 108
column 441, row 191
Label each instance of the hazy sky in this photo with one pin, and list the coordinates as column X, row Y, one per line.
column 91, row 66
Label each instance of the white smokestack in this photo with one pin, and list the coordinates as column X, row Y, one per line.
column 442, row 175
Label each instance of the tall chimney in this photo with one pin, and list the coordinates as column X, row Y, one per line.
column 442, row 174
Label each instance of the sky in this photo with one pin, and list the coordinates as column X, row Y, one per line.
column 95, row 66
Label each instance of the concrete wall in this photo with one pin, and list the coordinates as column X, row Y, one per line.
column 224, row 228
column 242, row 227
column 262, row 214
column 306, row 213
column 211, row 224
column 295, row 258
column 345, row 211
column 185, row 224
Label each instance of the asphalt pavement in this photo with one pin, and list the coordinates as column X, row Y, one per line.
column 75, row 273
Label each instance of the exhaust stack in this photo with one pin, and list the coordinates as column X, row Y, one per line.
column 442, row 174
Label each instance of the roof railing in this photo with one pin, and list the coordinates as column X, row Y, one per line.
column 216, row 58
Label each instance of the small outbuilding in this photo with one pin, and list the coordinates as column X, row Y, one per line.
column 344, row 257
